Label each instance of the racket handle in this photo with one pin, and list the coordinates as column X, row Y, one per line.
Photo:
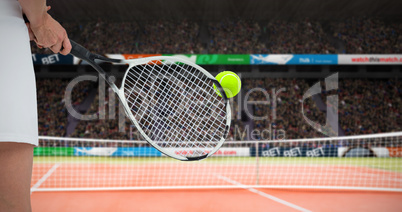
column 84, row 54
column 79, row 51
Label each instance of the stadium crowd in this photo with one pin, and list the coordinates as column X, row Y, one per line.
column 368, row 35
column 370, row 106
column 355, row 35
column 283, row 107
column 111, row 122
column 52, row 114
column 361, row 110
column 234, row 37
column 303, row 37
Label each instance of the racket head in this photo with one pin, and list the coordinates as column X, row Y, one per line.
column 174, row 106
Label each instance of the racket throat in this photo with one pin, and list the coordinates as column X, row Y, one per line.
column 197, row 158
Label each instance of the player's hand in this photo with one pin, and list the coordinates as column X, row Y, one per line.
column 50, row 34
column 31, row 34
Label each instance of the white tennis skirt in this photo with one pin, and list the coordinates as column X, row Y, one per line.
column 18, row 107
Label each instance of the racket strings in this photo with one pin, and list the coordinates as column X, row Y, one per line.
column 197, row 85
column 176, row 106
column 202, row 110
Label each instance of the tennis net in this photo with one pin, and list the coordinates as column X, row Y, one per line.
column 365, row 162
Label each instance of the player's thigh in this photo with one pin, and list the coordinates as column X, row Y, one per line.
column 15, row 176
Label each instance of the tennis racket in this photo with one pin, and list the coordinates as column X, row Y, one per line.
column 172, row 103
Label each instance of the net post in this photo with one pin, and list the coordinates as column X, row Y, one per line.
column 257, row 160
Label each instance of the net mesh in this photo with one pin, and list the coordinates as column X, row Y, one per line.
column 372, row 162
column 176, row 106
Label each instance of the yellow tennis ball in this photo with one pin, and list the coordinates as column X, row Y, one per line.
column 230, row 83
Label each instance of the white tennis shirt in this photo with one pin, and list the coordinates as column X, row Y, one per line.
column 18, row 107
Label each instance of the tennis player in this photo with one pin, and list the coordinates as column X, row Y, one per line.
column 18, row 109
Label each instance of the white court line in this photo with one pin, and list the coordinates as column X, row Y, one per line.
column 44, row 178
column 263, row 194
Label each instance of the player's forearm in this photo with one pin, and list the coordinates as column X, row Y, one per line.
column 35, row 10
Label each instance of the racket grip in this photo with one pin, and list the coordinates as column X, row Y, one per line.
column 79, row 51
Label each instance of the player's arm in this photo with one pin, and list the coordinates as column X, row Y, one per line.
column 46, row 31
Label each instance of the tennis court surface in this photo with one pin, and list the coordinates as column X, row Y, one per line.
column 87, row 179
column 217, row 200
